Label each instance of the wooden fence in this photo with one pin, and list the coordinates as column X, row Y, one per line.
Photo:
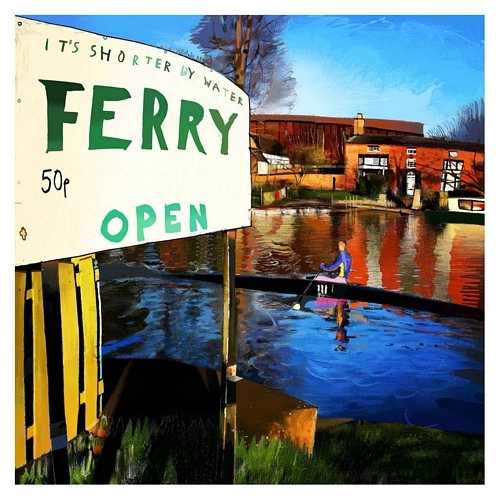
column 80, row 328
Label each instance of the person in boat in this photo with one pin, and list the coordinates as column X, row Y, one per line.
column 343, row 262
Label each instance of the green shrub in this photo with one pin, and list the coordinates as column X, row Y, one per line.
column 372, row 185
column 430, row 199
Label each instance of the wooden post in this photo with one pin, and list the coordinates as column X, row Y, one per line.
column 54, row 345
column 20, row 412
column 227, row 418
column 91, row 357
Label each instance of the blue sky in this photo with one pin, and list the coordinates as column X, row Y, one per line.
column 407, row 67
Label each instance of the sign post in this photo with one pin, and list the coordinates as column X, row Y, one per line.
column 120, row 144
column 227, row 419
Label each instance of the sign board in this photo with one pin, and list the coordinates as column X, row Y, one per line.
column 119, row 143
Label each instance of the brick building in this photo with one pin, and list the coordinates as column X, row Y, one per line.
column 327, row 135
column 358, row 147
column 411, row 163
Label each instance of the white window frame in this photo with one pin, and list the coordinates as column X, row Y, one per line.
column 375, row 163
column 411, row 180
column 411, row 151
column 277, row 161
column 262, row 168
column 411, row 163
column 373, row 148
column 450, row 179
column 453, row 154
column 453, row 165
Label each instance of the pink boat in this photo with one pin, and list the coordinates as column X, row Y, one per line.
column 327, row 301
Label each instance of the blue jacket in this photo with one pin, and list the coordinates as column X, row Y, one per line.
column 343, row 261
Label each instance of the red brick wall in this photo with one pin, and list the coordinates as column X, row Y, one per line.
column 429, row 164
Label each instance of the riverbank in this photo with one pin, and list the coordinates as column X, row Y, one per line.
column 328, row 201
column 162, row 427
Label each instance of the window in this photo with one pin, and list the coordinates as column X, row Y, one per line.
column 410, row 183
column 453, row 154
column 473, row 205
column 262, row 168
column 372, row 164
column 450, row 179
column 456, row 165
column 411, row 163
column 277, row 161
column 411, row 151
column 372, row 148
column 381, row 160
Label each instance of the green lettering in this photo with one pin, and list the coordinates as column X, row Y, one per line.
column 152, row 121
column 171, row 226
column 97, row 116
column 191, row 115
column 142, row 222
column 115, row 238
column 223, row 128
column 196, row 217
column 56, row 116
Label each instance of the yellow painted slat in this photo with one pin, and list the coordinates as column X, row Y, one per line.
column 41, row 439
column 71, row 361
column 20, row 416
column 30, row 432
column 89, row 321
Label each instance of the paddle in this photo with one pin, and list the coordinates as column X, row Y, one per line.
column 296, row 306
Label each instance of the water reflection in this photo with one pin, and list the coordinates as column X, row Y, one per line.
column 404, row 253
column 350, row 359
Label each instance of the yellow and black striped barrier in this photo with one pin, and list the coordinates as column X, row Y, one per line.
column 58, row 370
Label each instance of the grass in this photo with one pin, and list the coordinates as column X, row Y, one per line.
column 369, row 453
column 326, row 195
column 182, row 449
column 309, row 194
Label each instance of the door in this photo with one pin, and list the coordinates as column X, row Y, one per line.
column 410, row 183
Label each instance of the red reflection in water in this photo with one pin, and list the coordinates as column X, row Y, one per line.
column 425, row 261
column 390, row 252
column 357, row 248
column 438, row 261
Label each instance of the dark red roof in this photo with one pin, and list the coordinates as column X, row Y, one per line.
column 416, row 128
column 416, row 141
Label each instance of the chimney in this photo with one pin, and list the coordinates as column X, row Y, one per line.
column 359, row 125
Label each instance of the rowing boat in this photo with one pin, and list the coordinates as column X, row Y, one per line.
column 320, row 287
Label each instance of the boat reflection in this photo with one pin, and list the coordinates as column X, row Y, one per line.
column 338, row 311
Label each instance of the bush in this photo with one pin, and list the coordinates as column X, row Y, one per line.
column 292, row 192
column 430, row 199
column 372, row 186
column 267, row 186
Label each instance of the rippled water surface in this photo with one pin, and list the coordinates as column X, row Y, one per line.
column 354, row 360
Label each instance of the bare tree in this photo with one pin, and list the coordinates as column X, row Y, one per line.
column 466, row 126
column 305, row 149
column 471, row 178
column 250, row 51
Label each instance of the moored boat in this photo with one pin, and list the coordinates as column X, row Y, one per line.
column 462, row 209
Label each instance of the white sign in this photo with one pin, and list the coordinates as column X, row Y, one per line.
column 119, row 143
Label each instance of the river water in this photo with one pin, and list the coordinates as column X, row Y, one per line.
column 353, row 360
